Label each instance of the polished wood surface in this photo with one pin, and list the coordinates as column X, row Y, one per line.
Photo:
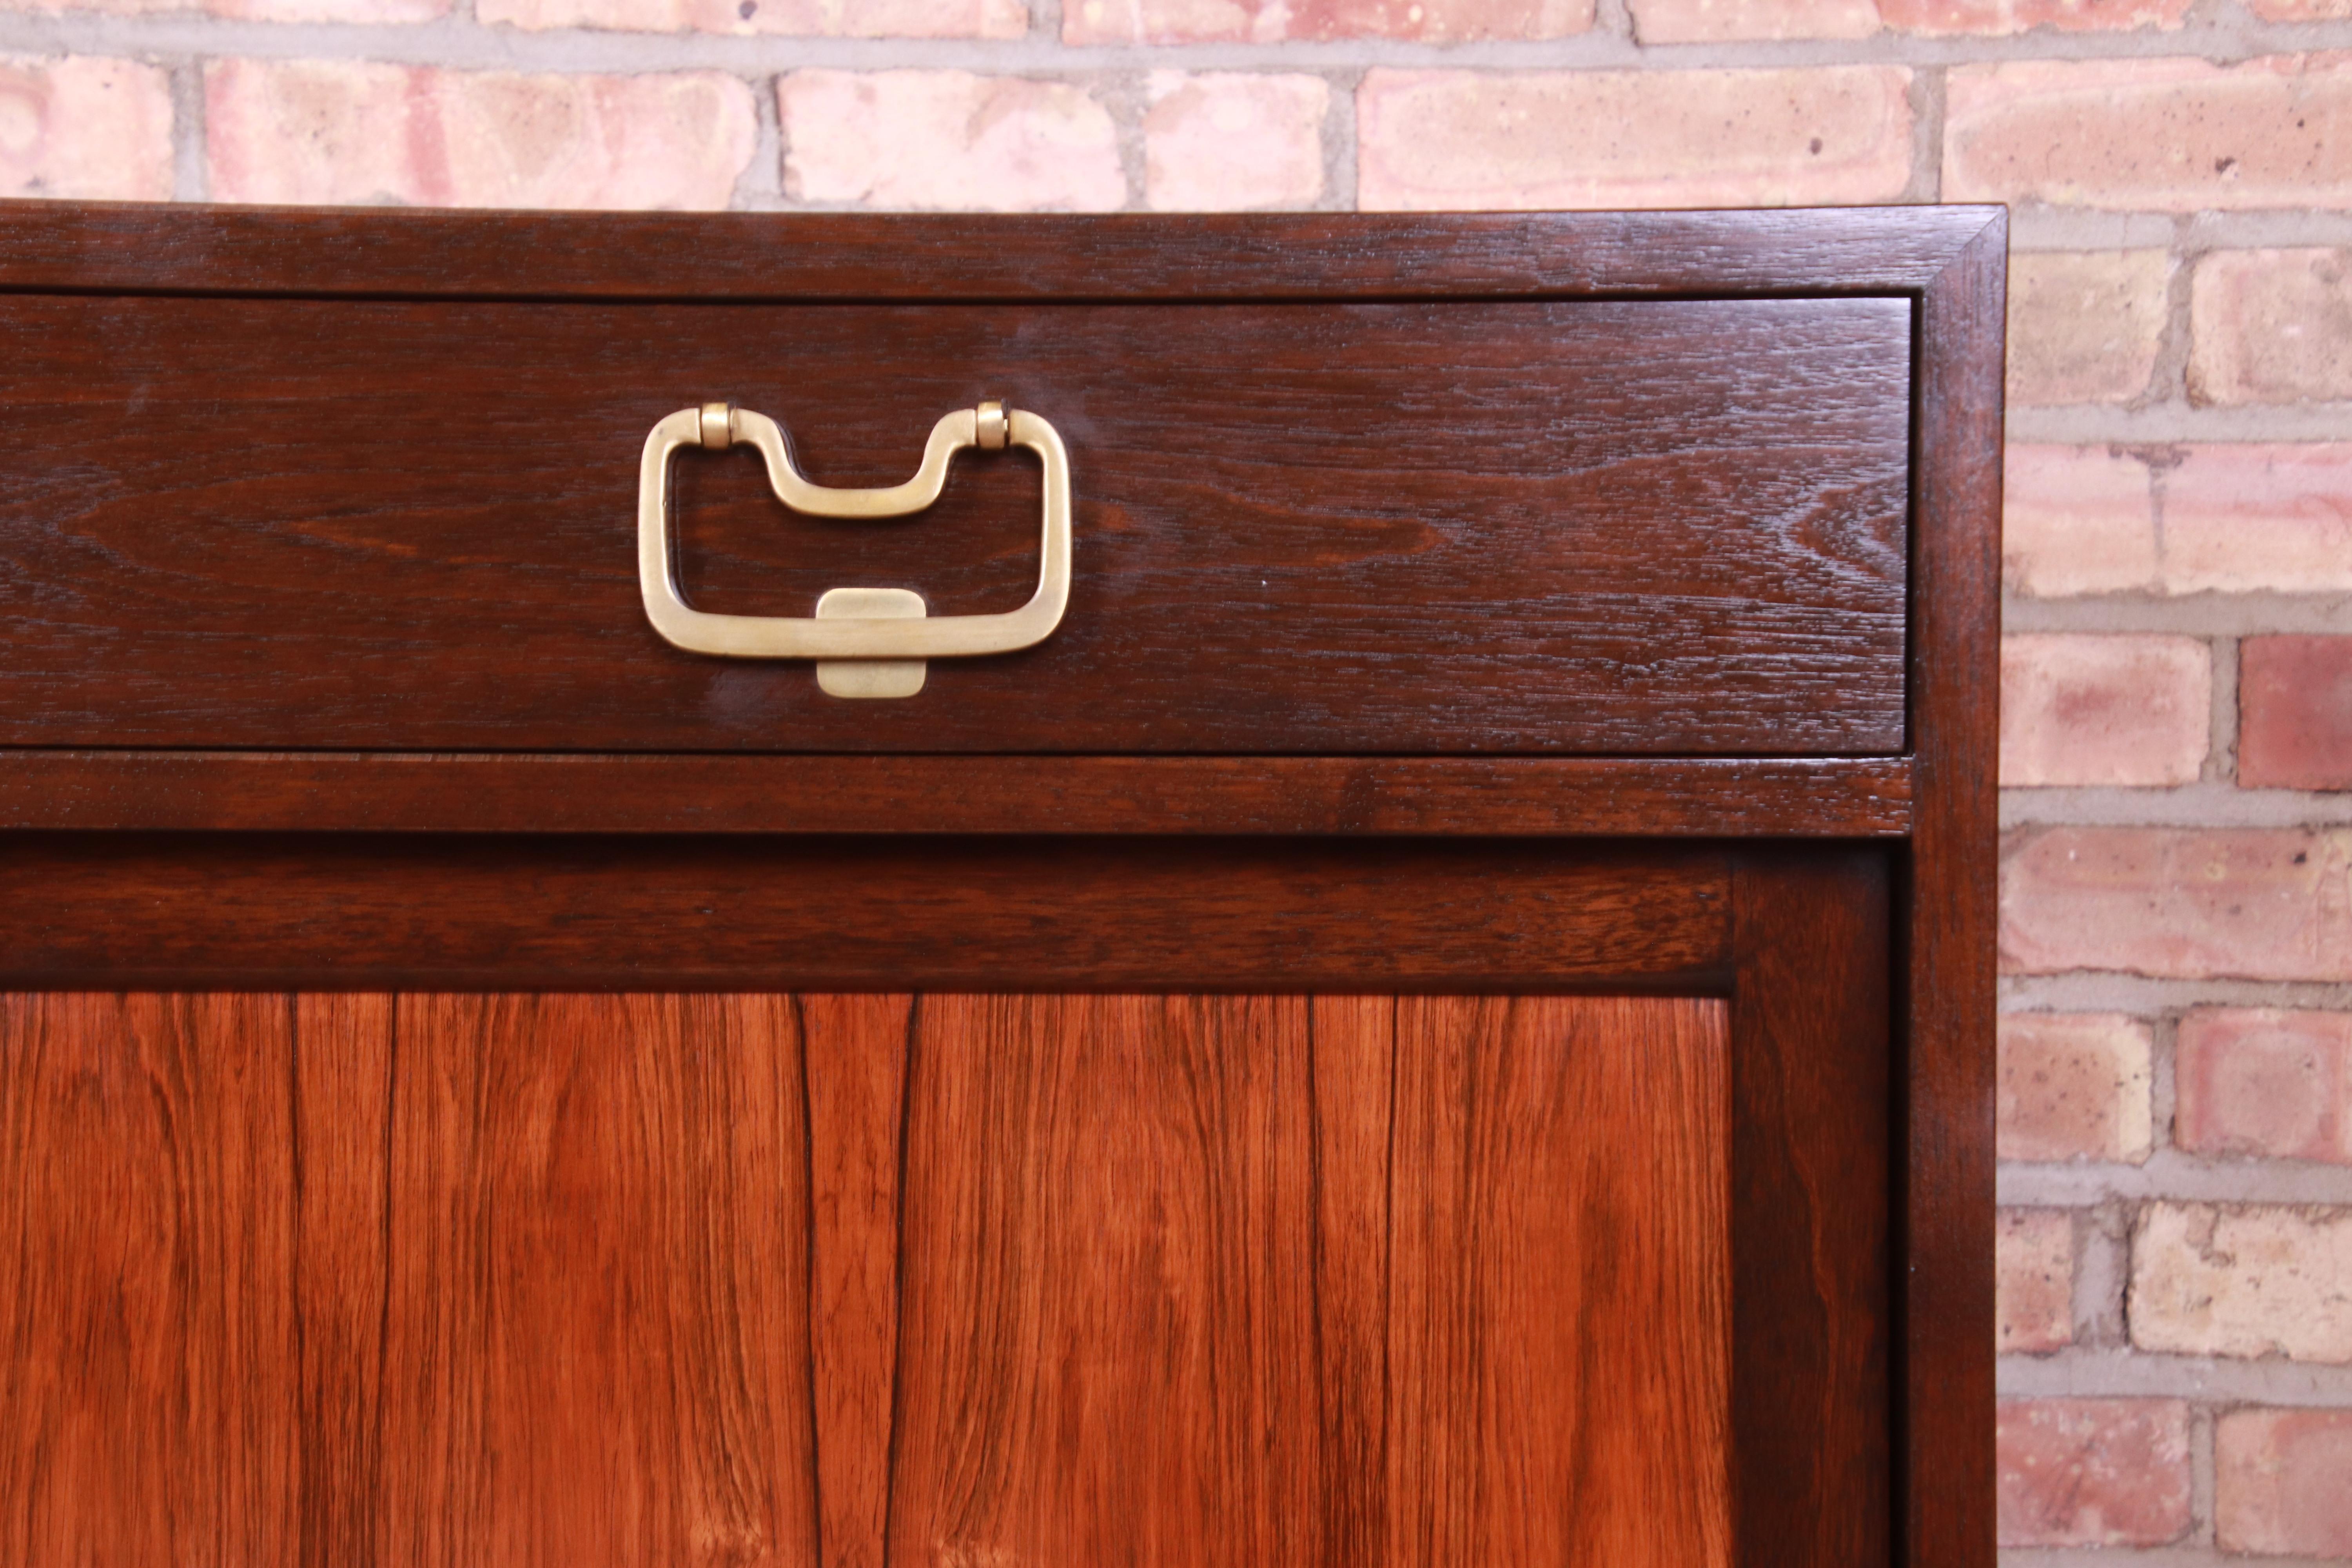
column 327, row 253
column 527, row 792
column 763, row 1279
column 351, row 911
column 1630, row 527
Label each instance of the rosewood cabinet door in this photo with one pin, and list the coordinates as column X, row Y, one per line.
column 1452, row 1275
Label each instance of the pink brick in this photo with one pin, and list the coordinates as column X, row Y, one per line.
column 2271, row 326
column 88, row 128
column 2103, row 709
column 2295, row 713
column 2264, row 1080
column 353, row 12
column 2187, row 903
column 2259, row 519
column 1712, row 21
column 947, row 140
column 315, row 130
column 2300, row 10
column 1440, row 138
column 2093, row 1472
column 1280, row 21
column 2084, row 327
column 2283, row 1482
column 2256, row 1281
column 807, row 18
column 2167, row 135
column 1219, row 141
column 2076, row 520
column 2033, row 1280
column 2074, row 1086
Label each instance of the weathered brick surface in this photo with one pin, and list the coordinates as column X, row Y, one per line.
column 818, row 18
column 2271, row 326
column 2084, row 327
column 2300, row 10
column 1703, row 21
column 2283, row 1482
column 2093, row 1472
column 2033, row 1280
column 90, row 128
column 1438, row 139
column 1278, row 21
column 2294, row 706
column 2076, row 520
column 346, row 11
column 947, row 140
column 2103, row 709
column 2259, row 519
column 309, row 131
column 2167, row 135
column 2254, row 1281
column 2074, row 1086
column 2190, row 903
column 2264, row 1080
column 1217, row 141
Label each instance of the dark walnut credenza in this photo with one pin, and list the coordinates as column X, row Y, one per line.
column 1356, row 929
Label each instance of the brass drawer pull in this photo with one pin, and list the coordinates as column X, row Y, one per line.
column 869, row 642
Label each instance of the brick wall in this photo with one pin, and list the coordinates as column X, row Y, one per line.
column 2175, row 1242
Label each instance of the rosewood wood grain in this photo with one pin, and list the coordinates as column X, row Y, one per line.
column 854, row 1054
column 716, row 913
column 1811, row 1214
column 1819, row 797
column 133, row 247
column 1506, row 527
column 1559, row 1187
column 1945, row 930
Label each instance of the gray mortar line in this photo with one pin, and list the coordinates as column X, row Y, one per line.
column 2147, row 1375
column 2190, row 614
column 2108, row 991
column 2172, row 1176
column 191, row 175
column 2211, row 803
column 2096, row 425
column 1339, row 175
column 460, row 42
column 2147, row 1557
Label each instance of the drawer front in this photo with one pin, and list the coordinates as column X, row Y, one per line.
column 1634, row 527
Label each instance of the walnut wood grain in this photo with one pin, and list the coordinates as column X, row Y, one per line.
column 1510, row 527
column 654, row 913
column 506, row 791
column 324, row 252
column 1810, row 1213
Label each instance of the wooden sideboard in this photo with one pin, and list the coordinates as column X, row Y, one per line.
column 1441, row 1015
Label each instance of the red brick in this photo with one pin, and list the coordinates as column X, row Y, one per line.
column 2283, row 1482
column 807, row 18
column 2264, row 1080
column 87, row 128
column 1716, row 21
column 2166, row 135
column 947, row 140
column 2271, row 326
column 1280, row 21
column 2076, row 520
column 2033, row 1280
column 344, row 132
column 2185, row 903
column 2084, row 327
column 2258, row 519
column 2093, row 1472
column 1220, row 140
column 2074, row 1086
column 1441, row 138
column 2103, row 709
column 2295, row 713
column 2251, row 1282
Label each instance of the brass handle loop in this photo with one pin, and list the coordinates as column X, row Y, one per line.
column 847, row 629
